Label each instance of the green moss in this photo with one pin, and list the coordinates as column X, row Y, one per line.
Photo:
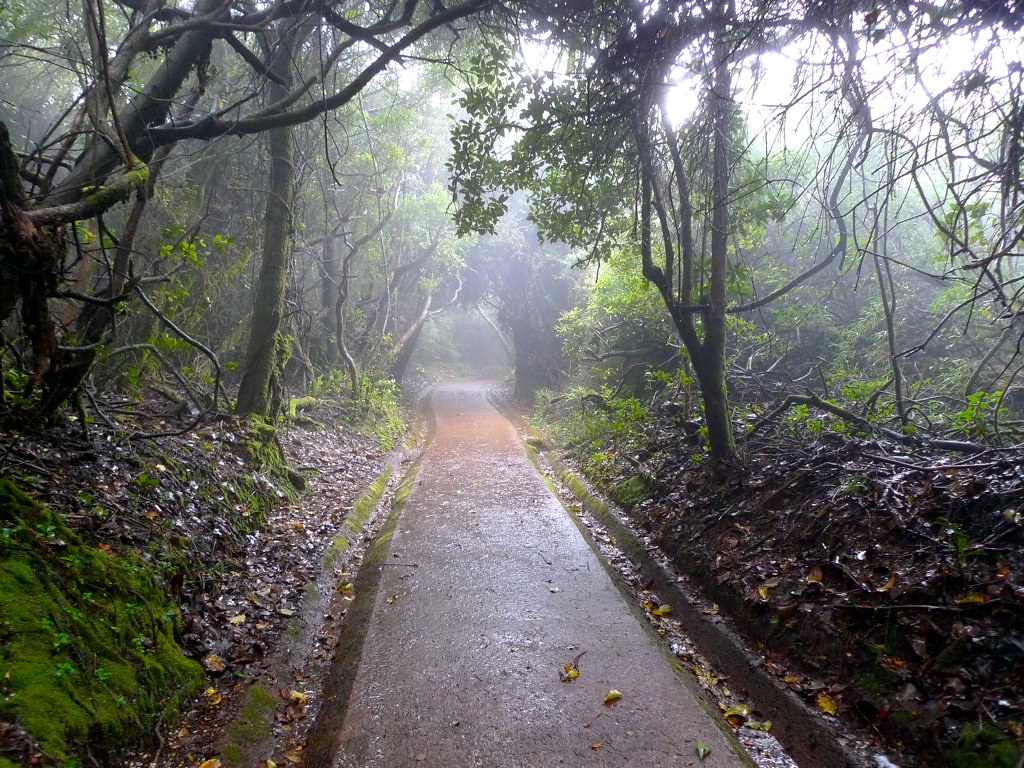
column 984, row 747
column 630, row 492
column 86, row 637
column 251, row 726
column 952, row 655
column 297, row 404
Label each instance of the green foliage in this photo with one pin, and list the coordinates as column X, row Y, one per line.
column 381, row 413
column 87, row 646
column 597, row 428
column 984, row 746
column 977, row 418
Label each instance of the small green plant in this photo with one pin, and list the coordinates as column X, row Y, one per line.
column 64, row 668
column 978, row 417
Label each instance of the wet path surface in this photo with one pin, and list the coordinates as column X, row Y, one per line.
column 489, row 588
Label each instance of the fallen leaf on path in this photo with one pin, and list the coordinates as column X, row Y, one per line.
column 213, row 762
column 703, row 750
column 612, row 696
column 238, row 618
column 764, row 725
column 596, row 745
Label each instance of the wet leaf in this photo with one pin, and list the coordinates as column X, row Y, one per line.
column 612, row 696
column 888, row 585
column 737, row 714
column 268, row 763
column 826, row 703
column 762, row 592
column 213, row 762
column 214, row 663
column 237, row 618
column 814, row 577
column 703, row 750
column 297, row 696
column 971, row 599
column 347, row 588
column 570, row 673
column 662, row 610
column 764, row 725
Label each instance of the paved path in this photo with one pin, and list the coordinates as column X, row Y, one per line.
column 463, row 652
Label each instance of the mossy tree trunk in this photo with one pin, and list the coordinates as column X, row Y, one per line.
column 261, row 356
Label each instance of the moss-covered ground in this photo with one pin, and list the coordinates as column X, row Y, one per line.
column 88, row 657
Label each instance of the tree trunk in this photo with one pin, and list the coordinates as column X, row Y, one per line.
column 407, row 344
column 710, row 363
column 261, row 356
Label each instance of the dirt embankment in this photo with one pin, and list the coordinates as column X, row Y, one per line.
column 886, row 587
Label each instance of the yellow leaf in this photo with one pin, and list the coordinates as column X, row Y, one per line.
column 346, row 588
column 826, row 703
column 596, row 745
column 971, row 599
column 791, row 680
column 298, row 696
column 570, row 673
column 888, row 585
column 739, row 711
column 611, row 696
column 703, row 750
column 662, row 610
column 214, row 663
column 151, row 514
column 712, row 610
column 293, row 757
column 815, row 575
column 237, row 618
column 213, row 762
column 268, row 763
column 762, row 592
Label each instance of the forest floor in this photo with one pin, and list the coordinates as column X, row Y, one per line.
column 233, row 545
column 885, row 585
